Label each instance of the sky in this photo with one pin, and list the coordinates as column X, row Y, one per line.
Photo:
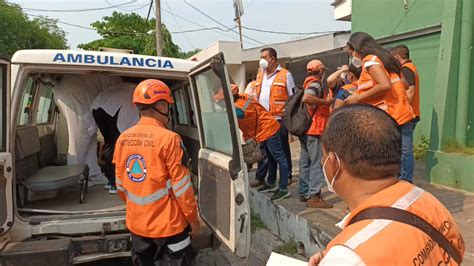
column 299, row 18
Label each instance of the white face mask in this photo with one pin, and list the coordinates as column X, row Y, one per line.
column 356, row 62
column 331, row 185
column 263, row 63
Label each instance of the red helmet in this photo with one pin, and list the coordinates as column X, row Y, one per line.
column 150, row 91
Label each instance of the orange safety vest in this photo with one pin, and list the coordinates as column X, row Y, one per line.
column 320, row 118
column 156, row 187
column 415, row 103
column 257, row 122
column 351, row 87
column 385, row 242
column 278, row 91
column 394, row 101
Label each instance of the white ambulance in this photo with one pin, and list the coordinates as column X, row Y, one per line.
column 48, row 214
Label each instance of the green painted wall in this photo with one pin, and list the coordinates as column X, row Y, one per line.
column 382, row 18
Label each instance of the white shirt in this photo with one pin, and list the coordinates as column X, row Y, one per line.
column 113, row 98
column 267, row 81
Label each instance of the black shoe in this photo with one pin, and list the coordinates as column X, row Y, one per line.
column 304, row 198
column 268, row 188
column 280, row 194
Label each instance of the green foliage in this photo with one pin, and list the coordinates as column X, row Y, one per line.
column 256, row 223
column 18, row 32
column 421, row 148
column 288, row 248
column 133, row 32
column 453, row 146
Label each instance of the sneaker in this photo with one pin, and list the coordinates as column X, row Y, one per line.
column 280, row 194
column 107, row 186
column 304, row 198
column 113, row 189
column 317, row 202
column 268, row 188
column 256, row 183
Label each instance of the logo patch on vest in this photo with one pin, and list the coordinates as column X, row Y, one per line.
column 136, row 168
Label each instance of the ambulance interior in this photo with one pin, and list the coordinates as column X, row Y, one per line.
column 45, row 184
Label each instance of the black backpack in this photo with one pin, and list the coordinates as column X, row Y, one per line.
column 296, row 117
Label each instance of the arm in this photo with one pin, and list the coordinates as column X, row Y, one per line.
column 382, row 84
column 290, row 84
column 118, row 176
column 410, row 78
column 335, row 77
column 315, row 100
column 181, row 180
column 337, row 255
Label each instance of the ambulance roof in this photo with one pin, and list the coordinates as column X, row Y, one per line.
column 98, row 59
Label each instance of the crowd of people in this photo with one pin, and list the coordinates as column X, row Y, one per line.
column 359, row 142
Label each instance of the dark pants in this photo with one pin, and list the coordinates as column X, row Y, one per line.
column 408, row 158
column 275, row 157
column 264, row 166
column 108, row 128
column 174, row 251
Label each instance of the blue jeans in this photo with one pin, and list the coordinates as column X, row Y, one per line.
column 311, row 173
column 275, row 156
column 265, row 167
column 408, row 158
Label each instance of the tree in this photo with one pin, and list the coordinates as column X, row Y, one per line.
column 18, row 32
column 133, row 32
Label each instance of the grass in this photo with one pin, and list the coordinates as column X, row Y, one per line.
column 256, row 223
column 420, row 149
column 453, row 146
column 288, row 248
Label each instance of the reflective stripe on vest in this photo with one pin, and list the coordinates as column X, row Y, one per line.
column 145, row 200
column 279, row 84
column 378, row 225
column 180, row 245
column 179, row 191
column 247, row 103
column 395, row 80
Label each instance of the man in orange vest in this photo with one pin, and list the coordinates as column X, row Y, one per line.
column 409, row 72
column 153, row 179
column 311, row 175
column 391, row 222
column 255, row 122
column 273, row 86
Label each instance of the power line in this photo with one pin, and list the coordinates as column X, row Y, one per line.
column 211, row 18
column 286, row 33
column 79, row 10
column 179, row 27
column 126, row 10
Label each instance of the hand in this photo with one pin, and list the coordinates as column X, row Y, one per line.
column 315, row 259
column 354, row 98
column 195, row 227
column 345, row 68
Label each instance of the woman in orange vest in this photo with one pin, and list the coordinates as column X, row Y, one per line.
column 391, row 222
column 256, row 122
column 153, row 179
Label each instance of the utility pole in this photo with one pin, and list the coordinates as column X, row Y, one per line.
column 240, row 32
column 159, row 39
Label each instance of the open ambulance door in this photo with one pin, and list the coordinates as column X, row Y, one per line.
column 6, row 190
column 223, row 179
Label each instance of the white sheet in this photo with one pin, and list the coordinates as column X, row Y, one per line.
column 74, row 95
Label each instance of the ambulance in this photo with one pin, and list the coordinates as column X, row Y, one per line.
column 49, row 215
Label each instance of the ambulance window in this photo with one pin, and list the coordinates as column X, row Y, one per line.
column 45, row 106
column 191, row 106
column 181, row 112
column 215, row 121
column 26, row 108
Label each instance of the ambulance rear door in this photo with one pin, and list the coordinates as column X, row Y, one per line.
column 223, row 179
column 6, row 191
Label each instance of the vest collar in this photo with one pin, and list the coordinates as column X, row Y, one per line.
column 150, row 121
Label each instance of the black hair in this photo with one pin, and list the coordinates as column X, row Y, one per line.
column 366, row 139
column 355, row 70
column 364, row 44
column 271, row 51
column 401, row 50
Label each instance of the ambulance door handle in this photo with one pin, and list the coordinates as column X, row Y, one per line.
column 242, row 222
